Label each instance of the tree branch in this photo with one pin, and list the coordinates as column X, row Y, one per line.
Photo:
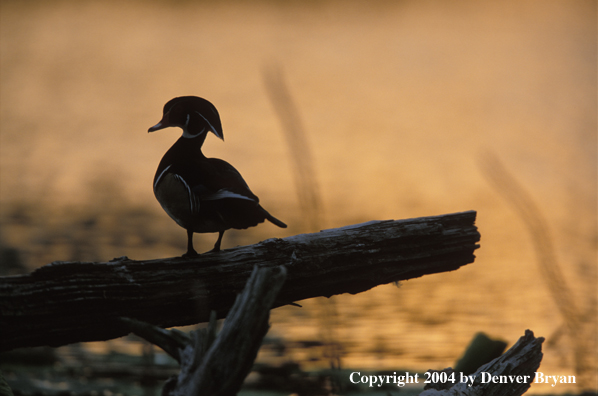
column 66, row 302
column 508, row 375
column 218, row 364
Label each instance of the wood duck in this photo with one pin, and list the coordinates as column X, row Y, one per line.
column 202, row 194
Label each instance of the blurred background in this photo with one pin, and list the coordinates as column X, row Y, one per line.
column 402, row 109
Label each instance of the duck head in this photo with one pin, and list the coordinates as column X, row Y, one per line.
column 195, row 116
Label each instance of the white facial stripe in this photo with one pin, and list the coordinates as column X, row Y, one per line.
column 159, row 177
column 211, row 126
column 221, row 194
column 187, row 135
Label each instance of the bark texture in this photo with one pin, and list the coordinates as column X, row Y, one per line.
column 67, row 302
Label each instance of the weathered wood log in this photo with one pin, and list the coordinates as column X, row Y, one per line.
column 517, row 367
column 213, row 364
column 66, row 302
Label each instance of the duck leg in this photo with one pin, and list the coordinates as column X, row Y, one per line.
column 190, row 251
column 218, row 242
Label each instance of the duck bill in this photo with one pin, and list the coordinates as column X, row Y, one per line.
column 157, row 127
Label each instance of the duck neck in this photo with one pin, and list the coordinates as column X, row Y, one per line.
column 192, row 144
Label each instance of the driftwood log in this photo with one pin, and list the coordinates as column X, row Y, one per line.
column 67, row 302
column 217, row 364
column 508, row 375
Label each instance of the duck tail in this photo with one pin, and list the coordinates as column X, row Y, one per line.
column 275, row 221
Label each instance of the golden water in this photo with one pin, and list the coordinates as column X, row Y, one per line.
column 400, row 102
